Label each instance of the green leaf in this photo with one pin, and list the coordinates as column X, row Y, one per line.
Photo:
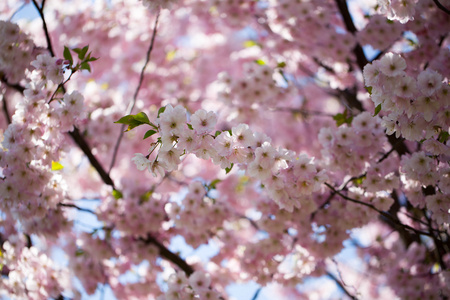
column 250, row 43
column 85, row 66
column 377, row 109
column 260, row 62
column 142, row 117
column 213, row 183
column 340, row 119
column 117, row 194
column 149, row 134
column 227, row 170
column 443, row 137
column 56, row 166
column 67, row 55
column 161, row 110
column 217, row 133
column 126, row 120
column 359, row 180
column 82, row 53
column 135, row 120
column 281, row 64
column 369, row 89
column 190, row 126
column 145, row 197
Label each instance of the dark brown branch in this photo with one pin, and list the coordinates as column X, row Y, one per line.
column 5, row 109
column 82, row 143
column 133, row 102
column 442, row 7
column 169, row 255
column 358, row 51
column 341, row 285
column 71, row 205
column 255, row 296
column 14, row 86
column 382, row 213
column 44, row 25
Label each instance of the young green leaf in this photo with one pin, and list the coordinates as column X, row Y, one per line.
column 190, row 126
column 117, row 194
column 161, row 110
column 377, row 109
column 213, row 183
column 149, row 134
column 82, row 53
column 85, row 66
column 260, row 62
column 142, row 117
column 227, row 170
column 56, row 166
column 67, row 55
column 217, row 133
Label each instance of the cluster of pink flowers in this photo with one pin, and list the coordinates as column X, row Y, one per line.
column 16, row 50
column 196, row 286
column 31, row 144
column 363, row 140
column 400, row 10
column 31, row 274
column 126, row 213
column 415, row 105
column 287, row 178
column 209, row 215
column 380, row 33
column 256, row 89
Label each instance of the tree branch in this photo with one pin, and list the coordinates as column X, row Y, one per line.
column 382, row 213
column 81, row 142
column 44, row 25
column 341, row 286
column 5, row 109
column 442, row 7
column 77, row 207
column 358, row 51
column 169, row 255
column 133, row 102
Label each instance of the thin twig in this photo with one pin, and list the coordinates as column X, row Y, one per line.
column 255, row 296
column 441, row 7
column 169, row 255
column 5, row 109
column 44, row 25
column 133, row 102
column 77, row 207
column 302, row 111
column 382, row 213
column 341, row 286
column 358, row 51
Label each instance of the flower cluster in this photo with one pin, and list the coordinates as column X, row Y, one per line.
column 127, row 213
column 196, row 286
column 400, row 10
column 287, row 178
column 415, row 105
column 16, row 50
column 32, row 144
column 31, row 275
column 351, row 148
column 210, row 214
